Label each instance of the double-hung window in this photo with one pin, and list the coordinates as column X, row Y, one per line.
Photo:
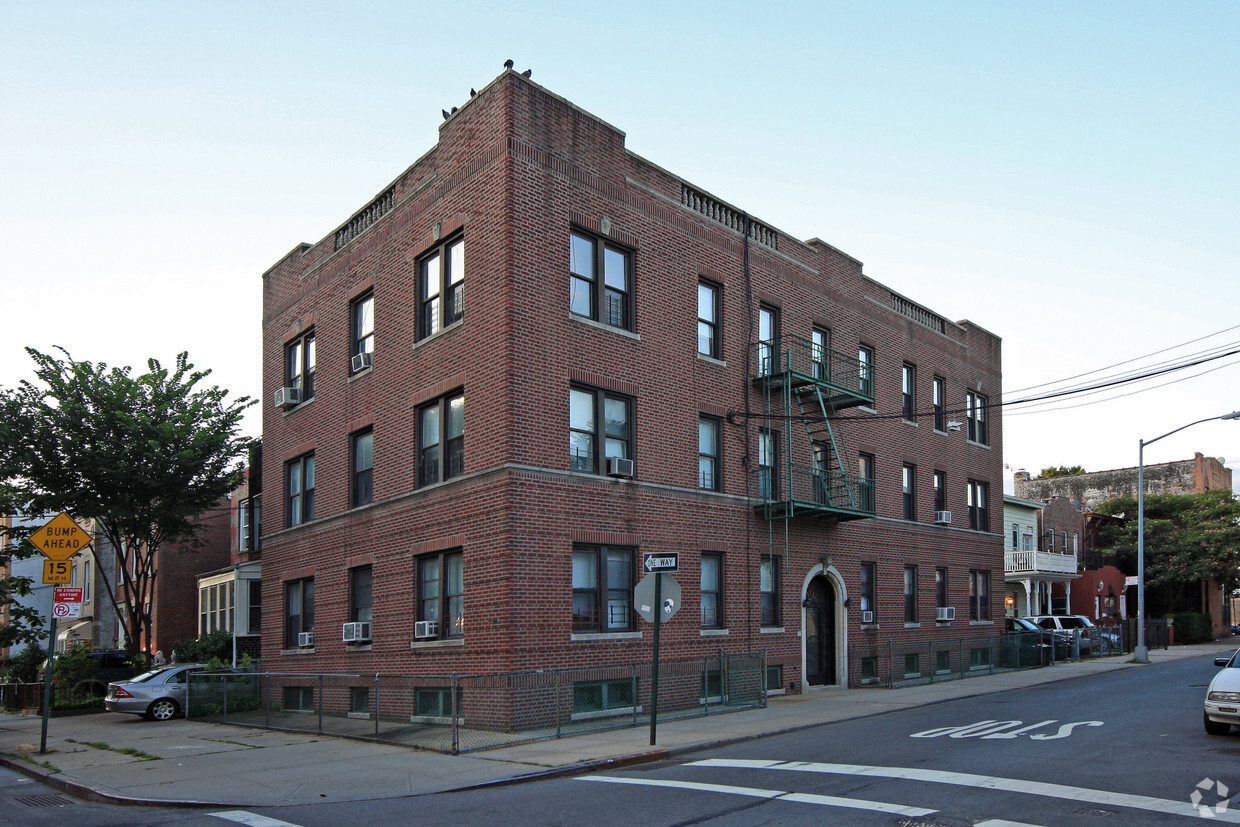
column 975, row 412
column 362, row 349
column 362, row 465
column 868, row 593
column 979, row 508
column 299, row 487
column 441, row 439
column 768, row 588
column 908, row 482
column 940, row 491
column 768, row 339
column 979, row 594
column 249, row 520
column 940, row 587
column 865, row 370
column 603, row 589
column 600, row 280
column 596, row 416
column 299, row 365
column 708, row 453
column 709, row 304
column 298, row 611
column 938, row 392
column 768, row 464
column 712, row 590
column 441, row 592
column 865, row 481
column 441, row 287
column 910, row 594
column 819, row 353
column 361, row 580
column 908, row 392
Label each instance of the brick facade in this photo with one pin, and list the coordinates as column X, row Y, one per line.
column 515, row 170
column 1190, row 476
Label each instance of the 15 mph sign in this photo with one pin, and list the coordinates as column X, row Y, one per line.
column 67, row 602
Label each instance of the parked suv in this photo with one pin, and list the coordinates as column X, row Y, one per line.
column 1060, row 640
column 108, row 666
column 1072, row 624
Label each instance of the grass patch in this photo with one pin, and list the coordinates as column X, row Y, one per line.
column 136, row 753
column 26, row 757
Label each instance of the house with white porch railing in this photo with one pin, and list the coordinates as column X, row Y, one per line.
column 1031, row 565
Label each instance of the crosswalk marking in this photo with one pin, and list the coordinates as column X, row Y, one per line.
column 251, row 819
column 780, row 795
column 1083, row 794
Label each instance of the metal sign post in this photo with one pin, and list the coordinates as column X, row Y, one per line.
column 47, row 685
column 656, row 608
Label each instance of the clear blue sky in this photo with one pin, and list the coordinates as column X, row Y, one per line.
column 1063, row 174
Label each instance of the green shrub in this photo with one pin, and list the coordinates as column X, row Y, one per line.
column 1192, row 627
column 25, row 665
column 212, row 645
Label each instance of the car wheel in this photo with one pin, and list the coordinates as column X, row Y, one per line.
column 1215, row 727
column 165, row 709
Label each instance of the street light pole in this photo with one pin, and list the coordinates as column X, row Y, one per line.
column 1141, row 654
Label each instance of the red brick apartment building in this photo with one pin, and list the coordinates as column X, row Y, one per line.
column 535, row 356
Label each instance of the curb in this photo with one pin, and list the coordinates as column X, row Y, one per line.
column 86, row 792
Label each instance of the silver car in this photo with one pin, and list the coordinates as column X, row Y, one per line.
column 158, row 694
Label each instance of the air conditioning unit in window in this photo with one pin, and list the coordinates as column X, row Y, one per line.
column 619, row 467
column 867, row 617
column 424, row 629
column 945, row 613
column 357, row 632
column 305, row 639
column 287, row 396
column 362, row 361
column 943, row 517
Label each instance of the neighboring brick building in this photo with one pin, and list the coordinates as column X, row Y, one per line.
column 535, row 356
column 1190, row 476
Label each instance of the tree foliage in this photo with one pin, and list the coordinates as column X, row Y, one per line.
column 1061, row 471
column 143, row 455
column 1188, row 538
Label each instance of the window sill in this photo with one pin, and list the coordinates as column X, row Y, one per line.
column 299, row 406
column 869, row 627
column 435, row 719
column 771, row 630
column 295, row 652
column 981, row 623
column 713, row 632
column 447, row 643
column 359, row 374
column 588, row 322
column 985, row 445
column 357, row 647
column 359, row 716
column 441, row 331
column 908, row 625
column 702, row 357
column 912, row 422
column 588, row 637
column 772, row 692
column 617, row 712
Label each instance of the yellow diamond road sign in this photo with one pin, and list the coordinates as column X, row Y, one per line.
column 61, row 538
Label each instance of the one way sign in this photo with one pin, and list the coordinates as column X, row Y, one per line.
column 667, row 561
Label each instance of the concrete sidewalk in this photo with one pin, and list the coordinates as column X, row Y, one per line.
column 126, row 759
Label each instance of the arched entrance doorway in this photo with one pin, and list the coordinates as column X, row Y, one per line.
column 820, row 632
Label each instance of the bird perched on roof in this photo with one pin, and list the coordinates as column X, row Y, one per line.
column 445, row 114
column 508, row 63
column 472, row 91
column 527, row 73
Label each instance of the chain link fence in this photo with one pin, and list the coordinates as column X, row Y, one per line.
column 459, row 713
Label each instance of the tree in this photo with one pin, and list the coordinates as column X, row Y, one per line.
column 144, row 456
column 1061, row 471
column 1188, row 538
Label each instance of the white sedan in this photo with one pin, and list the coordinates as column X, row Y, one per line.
column 1223, row 697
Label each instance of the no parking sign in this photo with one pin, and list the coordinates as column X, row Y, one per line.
column 67, row 602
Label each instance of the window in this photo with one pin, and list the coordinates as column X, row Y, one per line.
column 299, row 697
column 774, row 678
column 940, row 587
column 300, row 489
column 820, row 349
column 1026, row 539
column 1076, row 547
column 249, row 523
column 768, row 337
column 601, row 281
column 256, row 607
column 359, row 700
column 441, row 592
column 436, row 702
column 363, row 314
column 587, row 410
column 908, row 391
column 938, row 393
column 86, row 581
column 865, row 474
column 298, row 610
column 712, row 590
column 363, row 464
column 299, row 362
column 979, row 512
column 975, row 411
column 1050, row 539
column 940, row 491
column 768, row 459
column 441, row 439
column 768, row 585
column 868, row 574
column 869, row 669
column 603, row 589
column 215, row 607
column 979, row 595
column 912, row 665
column 908, row 476
column 910, row 594
column 865, row 373
column 598, row 696
column 708, row 298
column 360, row 583
column 708, row 453
column 441, row 287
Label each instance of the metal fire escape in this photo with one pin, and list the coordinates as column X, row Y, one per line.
column 804, row 385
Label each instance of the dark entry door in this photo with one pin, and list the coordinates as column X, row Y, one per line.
column 820, row 633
